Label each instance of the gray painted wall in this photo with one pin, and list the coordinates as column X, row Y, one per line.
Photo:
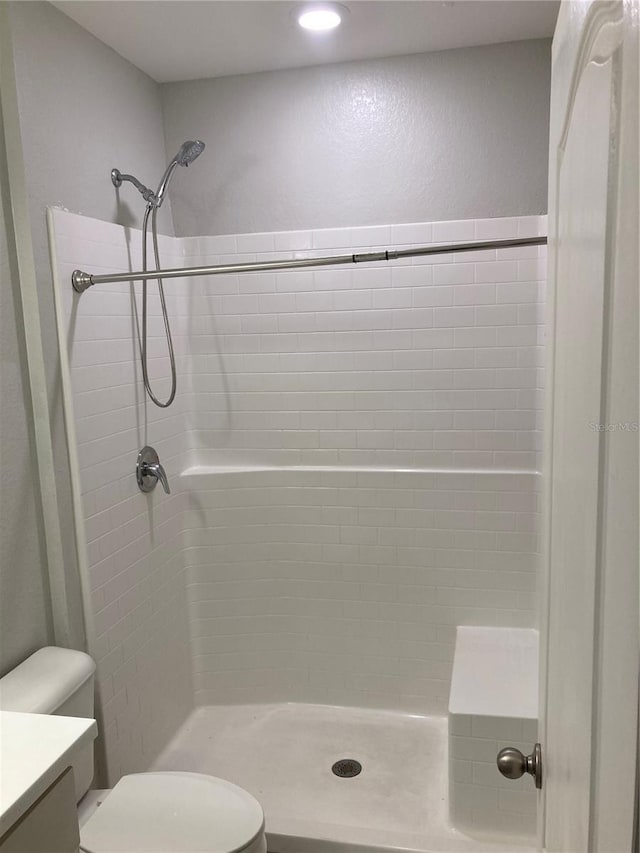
column 83, row 110
column 455, row 134
column 24, row 609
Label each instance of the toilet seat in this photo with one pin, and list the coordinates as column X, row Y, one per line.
column 174, row 813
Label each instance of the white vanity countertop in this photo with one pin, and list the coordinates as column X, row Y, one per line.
column 34, row 751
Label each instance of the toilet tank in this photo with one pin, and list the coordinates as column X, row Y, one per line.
column 55, row 681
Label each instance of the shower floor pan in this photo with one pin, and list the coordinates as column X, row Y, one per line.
column 283, row 754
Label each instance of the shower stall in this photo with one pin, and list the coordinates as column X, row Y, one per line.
column 353, row 455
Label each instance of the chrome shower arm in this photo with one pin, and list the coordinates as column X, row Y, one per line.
column 148, row 195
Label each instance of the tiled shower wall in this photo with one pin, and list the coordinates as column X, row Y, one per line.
column 408, row 396
column 137, row 626
column 430, row 362
column 360, row 444
column 345, row 586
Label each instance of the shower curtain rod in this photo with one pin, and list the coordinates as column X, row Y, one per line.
column 81, row 281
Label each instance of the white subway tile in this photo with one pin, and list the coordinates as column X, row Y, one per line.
column 455, row 231
column 333, row 368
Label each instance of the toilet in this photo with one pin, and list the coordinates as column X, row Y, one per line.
column 168, row 812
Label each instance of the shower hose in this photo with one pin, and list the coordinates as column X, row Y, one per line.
column 153, row 210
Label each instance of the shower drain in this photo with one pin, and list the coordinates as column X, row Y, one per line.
column 347, row 768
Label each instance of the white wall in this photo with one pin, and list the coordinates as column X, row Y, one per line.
column 24, row 606
column 439, row 136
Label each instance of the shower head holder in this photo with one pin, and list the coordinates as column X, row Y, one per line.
column 117, row 179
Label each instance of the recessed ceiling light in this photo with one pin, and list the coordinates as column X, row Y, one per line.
column 320, row 18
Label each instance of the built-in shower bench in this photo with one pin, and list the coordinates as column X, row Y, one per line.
column 493, row 703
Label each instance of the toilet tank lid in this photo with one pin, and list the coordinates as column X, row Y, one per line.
column 45, row 680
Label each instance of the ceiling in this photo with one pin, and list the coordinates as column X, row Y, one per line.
column 184, row 40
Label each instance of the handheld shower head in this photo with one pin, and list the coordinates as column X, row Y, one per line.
column 188, row 152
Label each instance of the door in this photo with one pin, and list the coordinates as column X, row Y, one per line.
column 590, row 600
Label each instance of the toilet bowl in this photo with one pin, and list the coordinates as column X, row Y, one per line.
column 175, row 813
column 168, row 812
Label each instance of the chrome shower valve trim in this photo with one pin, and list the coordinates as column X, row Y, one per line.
column 149, row 471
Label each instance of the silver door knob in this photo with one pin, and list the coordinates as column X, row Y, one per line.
column 149, row 471
column 513, row 764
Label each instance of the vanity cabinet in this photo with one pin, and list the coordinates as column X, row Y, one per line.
column 50, row 825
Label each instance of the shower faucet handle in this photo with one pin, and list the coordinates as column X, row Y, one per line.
column 158, row 472
column 149, row 471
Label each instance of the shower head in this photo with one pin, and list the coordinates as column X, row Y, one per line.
column 188, row 152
